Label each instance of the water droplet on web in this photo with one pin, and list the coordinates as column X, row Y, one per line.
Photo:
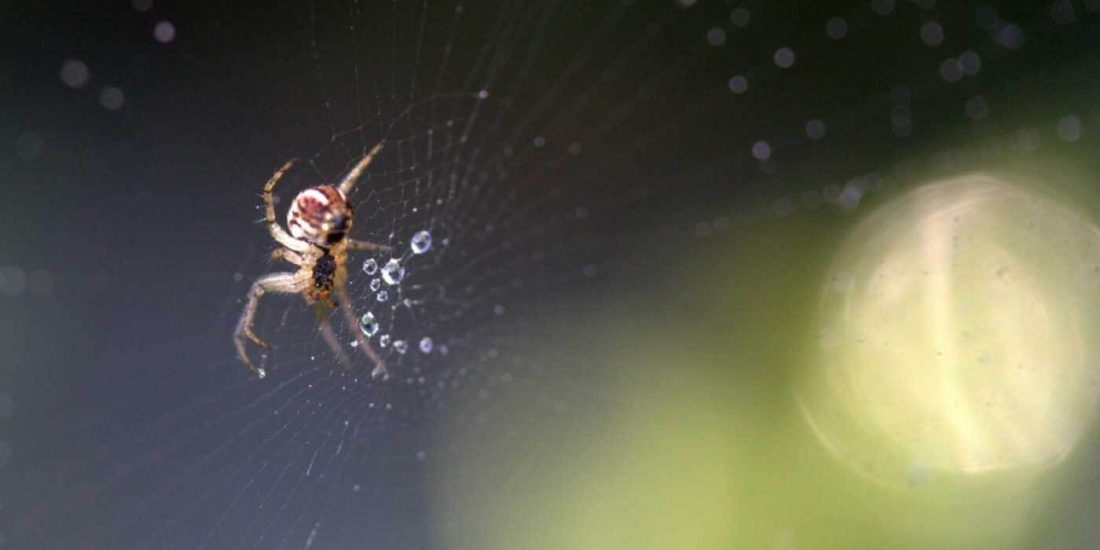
column 421, row 242
column 261, row 373
column 370, row 266
column 425, row 345
column 400, row 346
column 368, row 324
column 354, row 343
column 375, row 284
column 393, row 272
column 383, row 296
column 384, row 340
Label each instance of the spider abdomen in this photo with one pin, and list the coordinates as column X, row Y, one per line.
column 320, row 215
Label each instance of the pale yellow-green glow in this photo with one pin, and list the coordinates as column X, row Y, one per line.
column 957, row 333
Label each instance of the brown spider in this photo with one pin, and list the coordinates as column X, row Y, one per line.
column 319, row 220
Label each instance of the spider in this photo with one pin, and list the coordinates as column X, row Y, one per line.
column 319, row 221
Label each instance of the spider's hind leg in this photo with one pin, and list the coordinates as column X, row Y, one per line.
column 275, row 282
column 329, row 335
column 353, row 325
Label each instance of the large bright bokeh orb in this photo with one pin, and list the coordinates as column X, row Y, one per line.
column 958, row 333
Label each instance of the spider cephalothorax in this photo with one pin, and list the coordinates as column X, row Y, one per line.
column 319, row 220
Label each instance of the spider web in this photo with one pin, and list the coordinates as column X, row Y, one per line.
column 538, row 145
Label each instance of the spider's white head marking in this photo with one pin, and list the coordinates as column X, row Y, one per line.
column 320, row 215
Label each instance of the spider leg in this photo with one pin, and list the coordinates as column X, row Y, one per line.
column 277, row 232
column 285, row 283
column 330, row 336
column 353, row 325
column 288, row 255
column 353, row 176
column 364, row 245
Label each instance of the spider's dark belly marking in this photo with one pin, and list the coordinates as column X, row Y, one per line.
column 324, row 271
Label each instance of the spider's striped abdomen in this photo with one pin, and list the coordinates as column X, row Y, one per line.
column 320, row 215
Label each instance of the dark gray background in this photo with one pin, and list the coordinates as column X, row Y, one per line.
column 131, row 416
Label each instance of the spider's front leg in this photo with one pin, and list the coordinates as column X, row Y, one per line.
column 288, row 255
column 364, row 245
column 277, row 232
column 285, row 283
column 349, row 180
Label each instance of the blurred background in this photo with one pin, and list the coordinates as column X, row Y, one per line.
column 669, row 274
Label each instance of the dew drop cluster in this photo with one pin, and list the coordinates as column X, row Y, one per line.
column 386, row 276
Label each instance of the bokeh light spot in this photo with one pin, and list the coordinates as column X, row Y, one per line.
column 164, row 32
column 955, row 334
column 111, row 98
column 74, row 73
